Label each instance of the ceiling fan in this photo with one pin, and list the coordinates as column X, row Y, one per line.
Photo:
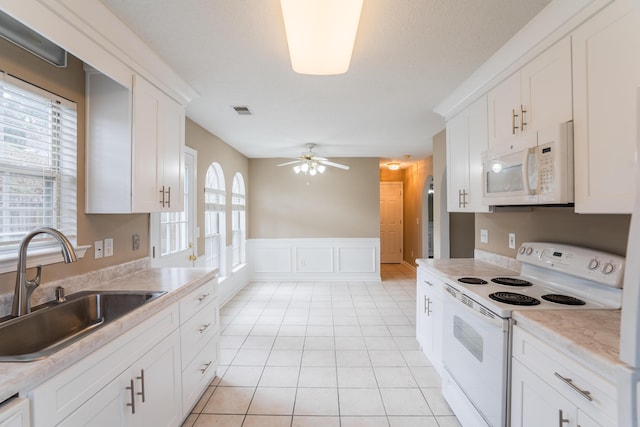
column 310, row 164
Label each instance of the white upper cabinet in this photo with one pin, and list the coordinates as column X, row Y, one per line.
column 157, row 145
column 466, row 139
column 606, row 78
column 536, row 97
column 135, row 144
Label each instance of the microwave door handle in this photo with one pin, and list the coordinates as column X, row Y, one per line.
column 525, row 170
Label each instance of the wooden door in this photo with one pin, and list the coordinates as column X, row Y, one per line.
column 391, row 233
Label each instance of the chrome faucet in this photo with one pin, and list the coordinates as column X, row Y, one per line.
column 25, row 287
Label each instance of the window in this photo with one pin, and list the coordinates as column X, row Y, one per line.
column 214, row 217
column 38, row 161
column 238, row 223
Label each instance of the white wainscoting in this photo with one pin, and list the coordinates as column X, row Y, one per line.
column 314, row 259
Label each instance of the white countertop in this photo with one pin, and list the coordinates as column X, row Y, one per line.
column 454, row 268
column 589, row 336
column 177, row 282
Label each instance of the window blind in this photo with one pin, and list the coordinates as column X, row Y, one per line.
column 38, row 163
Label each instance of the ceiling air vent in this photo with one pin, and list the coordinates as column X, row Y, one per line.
column 242, row 110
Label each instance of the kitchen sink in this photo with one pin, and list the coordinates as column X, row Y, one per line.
column 55, row 325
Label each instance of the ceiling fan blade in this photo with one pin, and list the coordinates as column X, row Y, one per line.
column 289, row 163
column 335, row 165
column 318, row 159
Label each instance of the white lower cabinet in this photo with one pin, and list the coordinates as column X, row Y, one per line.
column 550, row 389
column 429, row 316
column 15, row 413
column 147, row 394
column 150, row 376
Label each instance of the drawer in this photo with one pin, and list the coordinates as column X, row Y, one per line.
column 198, row 330
column 197, row 299
column 197, row 376
column 552, row 366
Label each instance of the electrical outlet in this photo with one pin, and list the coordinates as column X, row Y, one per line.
column 108, row 247
column 97, row 249
column 484, row 236
column 512, row 240
column 136, row 242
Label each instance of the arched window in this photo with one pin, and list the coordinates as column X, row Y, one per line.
column 214, row 217
column 238, row 220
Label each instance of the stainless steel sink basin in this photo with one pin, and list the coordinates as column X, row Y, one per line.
column 54, row 325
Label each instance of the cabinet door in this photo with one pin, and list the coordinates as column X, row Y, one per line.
column 15, row 413
column 534, row 403
column 171, row 153
column 477, row 143
column 423, row 333
column 606, row 77
column 503, row 104
column 157, row 378
column 111, row 406
column 586, row 421
column 144, row 191
column 457, row 163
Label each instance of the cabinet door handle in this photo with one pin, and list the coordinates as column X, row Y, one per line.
column 169, row 196
column 514, row 126
column 162, row 192
column 203, row 297
column 133, row 397
column 204, row 328
column 561, row 418
column 206, row 366
column 425, row 305
column 429, row 311
column 141, row 378
column 522, row 119
column 584, row 393
column 428, row 282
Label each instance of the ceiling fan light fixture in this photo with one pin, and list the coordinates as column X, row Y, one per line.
column 321, row 168
column 321, row 34
column 393, row 166
column 297, row 169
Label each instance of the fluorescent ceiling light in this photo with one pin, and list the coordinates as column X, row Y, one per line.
column 321, row 34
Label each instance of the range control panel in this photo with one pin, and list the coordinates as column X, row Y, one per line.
column 589, row 264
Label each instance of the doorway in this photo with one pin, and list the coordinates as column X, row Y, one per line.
column 391, row 227
column 427, row 218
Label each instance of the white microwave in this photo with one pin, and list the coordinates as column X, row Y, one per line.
column 536, row 169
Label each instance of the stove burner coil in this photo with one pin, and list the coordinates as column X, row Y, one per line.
column 510, row 281
column 472, row 281
column 513, row 298
column 562, row 299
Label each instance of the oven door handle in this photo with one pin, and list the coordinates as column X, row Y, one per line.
column 492, row 318
column 525, row 170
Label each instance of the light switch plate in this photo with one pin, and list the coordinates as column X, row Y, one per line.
column 108, row 247
column 512, row 240
column 484, row 236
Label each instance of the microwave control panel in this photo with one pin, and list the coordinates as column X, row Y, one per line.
column 545, row 157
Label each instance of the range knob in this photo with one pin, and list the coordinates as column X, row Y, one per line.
column 522, row 250
column 529, row 251
column 608, row 268
column 593, row 264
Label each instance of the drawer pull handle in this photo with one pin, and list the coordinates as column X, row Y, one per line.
column 204, row 328
column 141, row 378
column 428, row 283
column 203, row 297
column 584, row 393
column 206, row 366
column 133, row 398
column 561, row 418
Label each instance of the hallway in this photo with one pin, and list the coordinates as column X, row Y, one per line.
column 323, row 354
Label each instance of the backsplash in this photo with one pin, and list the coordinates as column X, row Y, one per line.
column 552, row 224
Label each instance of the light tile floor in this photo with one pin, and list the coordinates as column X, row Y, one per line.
column 310, row 354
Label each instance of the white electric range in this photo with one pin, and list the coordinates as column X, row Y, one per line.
column 477, row 320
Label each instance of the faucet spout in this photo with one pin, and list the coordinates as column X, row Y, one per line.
column 25, row 287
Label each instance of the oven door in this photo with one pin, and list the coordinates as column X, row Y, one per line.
column 476, row 355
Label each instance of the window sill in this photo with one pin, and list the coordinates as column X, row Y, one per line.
column 46, row 256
